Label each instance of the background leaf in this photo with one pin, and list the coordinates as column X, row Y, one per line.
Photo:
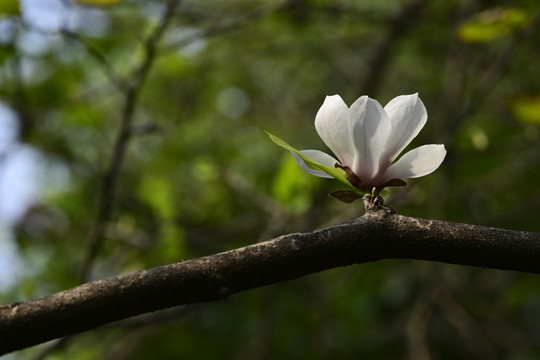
column 99, row 2
column 9, row 7
column 492, row 24
column 526, row 108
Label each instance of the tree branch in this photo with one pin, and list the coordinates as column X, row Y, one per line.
column 379, row 234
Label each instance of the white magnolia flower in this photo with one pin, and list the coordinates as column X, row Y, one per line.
column 366, row 139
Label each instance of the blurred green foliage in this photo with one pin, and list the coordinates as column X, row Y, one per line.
column 492, row 23
column 201, row 176
column 9, row 7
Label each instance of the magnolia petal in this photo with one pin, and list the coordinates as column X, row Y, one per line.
column 370, row 127
column 418, row 162
column 318, row 156
column 332, row 126
column 408, row 116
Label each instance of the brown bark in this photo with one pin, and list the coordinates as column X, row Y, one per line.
column 379, row 234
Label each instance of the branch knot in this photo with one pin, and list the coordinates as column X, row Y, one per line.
column 375, row 203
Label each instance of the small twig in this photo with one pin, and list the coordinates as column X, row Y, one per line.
column 98, row 56
column 500, row 67
column 20, row 100
column 464, row 324
column 399, row 26
column 416, row 330
column 221, row 27
column 52, row 347
column 491, row 77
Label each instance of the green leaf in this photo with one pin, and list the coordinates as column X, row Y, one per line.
column 98, row 2
column 337, row 173
column 291, row 188
column 526, row 108
column 10, row 7
column 492, row 24
column 158, row 192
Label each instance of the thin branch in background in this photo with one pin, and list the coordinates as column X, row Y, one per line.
column 106, row 198
column 91, row 50
column 222, row 27
column 399, row 26
column 98, row 56
column 457, row 105
column 52, row 347
column 108, row 189
column 416, row 329
column 139, row 328
column 464, row 324
column 500, row 67
column 279, row 215
column 20, row 100
column 490, row 78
